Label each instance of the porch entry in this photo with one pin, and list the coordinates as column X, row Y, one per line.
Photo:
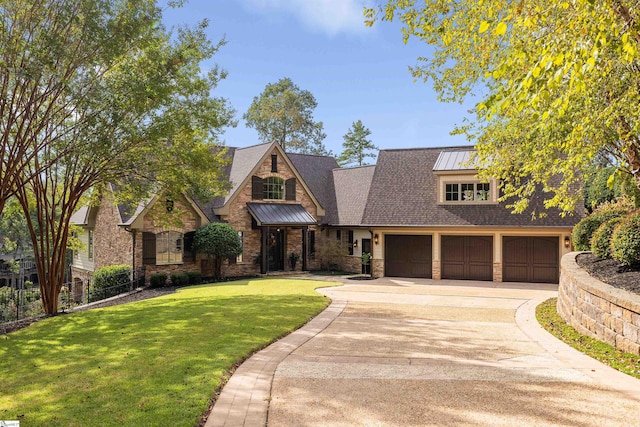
column 275, row 220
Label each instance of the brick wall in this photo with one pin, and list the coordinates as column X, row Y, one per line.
column 112, row 245
column 190, row 221
column 596, row 309
column 240, row 219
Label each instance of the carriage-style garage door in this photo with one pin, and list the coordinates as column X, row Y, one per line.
column 467, row 257
column 407, row 256
column 530, row 259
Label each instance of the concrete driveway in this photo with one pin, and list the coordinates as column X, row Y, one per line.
column 421, row 352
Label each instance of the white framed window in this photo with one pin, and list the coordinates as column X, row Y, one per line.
column 467, row 192
column 90, row 245
column 240, row 257
column 169, row 247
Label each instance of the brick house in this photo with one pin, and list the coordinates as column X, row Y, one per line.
column 419, row 212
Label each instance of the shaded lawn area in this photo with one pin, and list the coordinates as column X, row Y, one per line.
column 152, row 362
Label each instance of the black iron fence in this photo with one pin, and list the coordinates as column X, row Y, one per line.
column 18, row 304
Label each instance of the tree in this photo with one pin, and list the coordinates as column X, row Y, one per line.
column 559, row 83
column 284, row 113
column 356, row 146
column 14, row 235
column 110, row 96
column 219, row 241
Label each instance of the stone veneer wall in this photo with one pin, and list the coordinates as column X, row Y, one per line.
column 240, row 219
column 596, row 309
column 190, row 222
column 112, row 245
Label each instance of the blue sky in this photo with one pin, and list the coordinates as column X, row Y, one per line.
column 354, row 72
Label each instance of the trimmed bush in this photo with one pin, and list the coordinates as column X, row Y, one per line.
column 583, row 230
column 601, row 239
column 195, row 277
column 179, row 279
column 625, row 242
column 109, row 281
column 158, row 280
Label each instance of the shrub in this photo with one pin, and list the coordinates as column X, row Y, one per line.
column 158, row 280
column 625, row 242
column 109, row 281
column 218, row 241
column 195, row 277
column 584, row 229
column 601, row 239
column 6, row 295
column 179, row 279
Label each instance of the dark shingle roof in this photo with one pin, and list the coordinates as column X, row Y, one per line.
column 352, row 188
column 317, row 173
column 403, row 192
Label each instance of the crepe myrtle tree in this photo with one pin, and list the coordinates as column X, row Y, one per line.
column 557, row 84
column 218, row 241
column 102, row 92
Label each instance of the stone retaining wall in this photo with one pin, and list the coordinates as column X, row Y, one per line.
column 596, row 309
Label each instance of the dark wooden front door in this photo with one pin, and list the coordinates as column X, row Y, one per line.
column 530, row 259
column 366, row 248
column 275, row 249
column 467, row 257
column 407, row 256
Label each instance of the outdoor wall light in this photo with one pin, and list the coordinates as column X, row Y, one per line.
column 567, row 242
column 376, row 239
column 355, row 244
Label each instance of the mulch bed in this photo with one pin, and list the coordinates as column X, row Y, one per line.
column 611, row 272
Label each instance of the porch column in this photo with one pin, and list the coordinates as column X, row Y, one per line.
column 305, row 237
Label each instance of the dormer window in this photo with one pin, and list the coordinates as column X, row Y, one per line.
column 467, row 192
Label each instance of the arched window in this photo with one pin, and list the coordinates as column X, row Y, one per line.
column 273, row 188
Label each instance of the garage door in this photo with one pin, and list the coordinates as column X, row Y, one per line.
column 530, row 259
column 407, row 256
column 467, row 257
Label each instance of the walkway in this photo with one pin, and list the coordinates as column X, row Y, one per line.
column 420, row 352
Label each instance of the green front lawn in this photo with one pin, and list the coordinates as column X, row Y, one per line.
column 149, row 363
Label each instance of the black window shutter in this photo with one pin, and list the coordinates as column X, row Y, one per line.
column 350, row 242
column 257, row 188
column 148, row 248
column 189, row 254
column 290, row 189
column 312, row 242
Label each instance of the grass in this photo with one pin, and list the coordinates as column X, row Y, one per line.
column 152, row 362
column 548, row 317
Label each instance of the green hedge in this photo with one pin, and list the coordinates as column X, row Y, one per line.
column 195, row 277
column 179, row 279
column 109, row 281
column 158, row 280
column 625, row 242
column 601, row 239
column 584, row 229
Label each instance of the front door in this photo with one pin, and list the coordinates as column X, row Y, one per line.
column 366, row 248
column 275, row 250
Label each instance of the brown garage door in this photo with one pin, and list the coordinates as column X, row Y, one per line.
column 467, row 257
column 530, row 259
column 407, row 256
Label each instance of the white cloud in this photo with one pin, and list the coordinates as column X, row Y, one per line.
column 328, row 16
